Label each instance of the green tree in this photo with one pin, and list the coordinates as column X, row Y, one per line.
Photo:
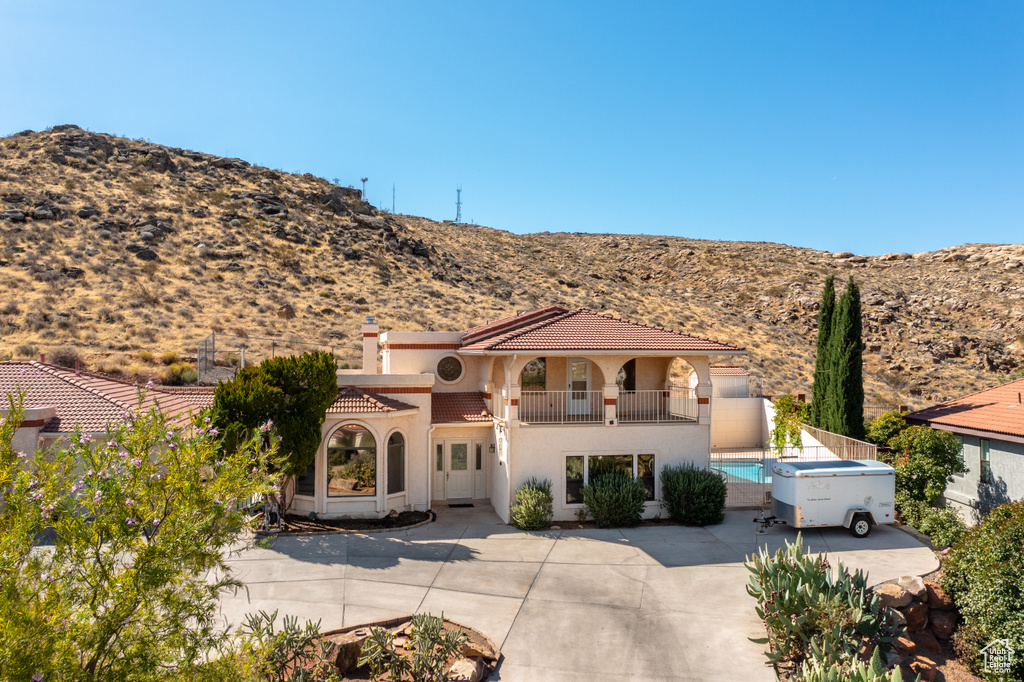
column 139, row 528
column 291, row 394
column 790, row 415
column 820, row 390
column 885, row 427
column 925, row 460
column 844, row 408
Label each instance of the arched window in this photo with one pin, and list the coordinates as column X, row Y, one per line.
column 351, row 462
column 396, row 464
column 626, row 378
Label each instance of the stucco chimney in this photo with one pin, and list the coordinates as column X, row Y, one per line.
column 370, row 330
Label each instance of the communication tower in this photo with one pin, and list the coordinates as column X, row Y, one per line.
column 458, row 204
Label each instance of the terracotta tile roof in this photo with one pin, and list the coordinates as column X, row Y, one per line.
column 86, row 400
column 450, row 408
column 556, row 328
column 728, row 371
column 200, row 396
column 997, row 410
column 353, row 400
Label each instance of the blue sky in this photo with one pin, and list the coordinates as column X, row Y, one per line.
column 868, row 127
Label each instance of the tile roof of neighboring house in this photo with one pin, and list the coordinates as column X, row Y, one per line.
column 354, row 400
column 555, row 329
column 200, row 396
column 448, row 408
column 85, row 400
column 728, row 371
column 996, row 410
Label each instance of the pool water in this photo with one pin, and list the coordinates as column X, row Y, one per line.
column 746, row 471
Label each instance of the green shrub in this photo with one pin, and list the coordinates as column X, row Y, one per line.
column 178, row 374
column 943, row 526
column 816, row 670
column 431, row 646
column 885, row 427
column 925, row 460
column 810, row 610
column 533, row 505
column 693, row 496
column 291, row 654
column 984, row 575
column 170, row 358
column 615, row 499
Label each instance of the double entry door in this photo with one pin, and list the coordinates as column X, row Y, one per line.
column 459, row 469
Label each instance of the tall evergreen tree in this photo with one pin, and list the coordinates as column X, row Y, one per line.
column 820, row 390
column 844, row 408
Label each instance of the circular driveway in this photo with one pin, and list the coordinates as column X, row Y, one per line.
column 655, row 603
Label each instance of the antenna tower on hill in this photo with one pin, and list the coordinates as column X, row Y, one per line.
column 364, row 188
column 392, row 197
column 458, row 204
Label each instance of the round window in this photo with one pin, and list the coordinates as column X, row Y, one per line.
column 449, row 369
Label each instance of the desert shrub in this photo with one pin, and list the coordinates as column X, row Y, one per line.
column 64, row 356
column 816, row 669
column 178, row 374
column 292, row 654
column 430, row 643
column 984, row 575
column 26, row 350
column 885, row 427
column 811, row 611
column 533, row 505
column 170, row 358
column 147, row 356
column 615, row 499
column 10, row 308
column 693, row 496
column 925, row 460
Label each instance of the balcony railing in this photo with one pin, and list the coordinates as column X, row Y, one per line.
column 673, row 405
column 561, row 407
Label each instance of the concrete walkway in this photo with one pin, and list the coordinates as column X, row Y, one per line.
column 660, row 603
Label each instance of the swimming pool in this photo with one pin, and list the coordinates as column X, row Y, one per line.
column 745, row 471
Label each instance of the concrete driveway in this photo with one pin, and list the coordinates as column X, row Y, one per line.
column 661, row 603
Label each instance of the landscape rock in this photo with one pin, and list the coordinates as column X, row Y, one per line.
column 146, row 254
column 467, row 670
column 42, row 213
column 905, row 646
column 348, row 646
column 914, row 585
column 925, row 667
column 943, row 623
column 88, row 211
column 937, row 599
column 12, row 216
column 925, row 641
column 916, row 615
column 893, row 596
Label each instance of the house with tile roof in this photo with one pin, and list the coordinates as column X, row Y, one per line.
column 990, row 425
column 467, row 417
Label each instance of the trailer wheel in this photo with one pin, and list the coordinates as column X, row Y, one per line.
column 860, row 526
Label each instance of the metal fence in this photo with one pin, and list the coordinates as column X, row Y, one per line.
column 220, row 355
column 748, row 471
column 561, row 407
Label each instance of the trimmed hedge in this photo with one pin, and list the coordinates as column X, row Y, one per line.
column 533, row 505
column 615, row 499
column 693, row 496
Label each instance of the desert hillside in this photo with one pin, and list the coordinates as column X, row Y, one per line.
column 123, row 251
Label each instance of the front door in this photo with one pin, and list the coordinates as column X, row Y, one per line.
column 458, row 475
column 579, row 384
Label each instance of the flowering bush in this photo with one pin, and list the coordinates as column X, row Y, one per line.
column 113, row 551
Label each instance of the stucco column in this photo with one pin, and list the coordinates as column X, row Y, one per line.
column 514, row 394
column 702, row 367
column 611, row 409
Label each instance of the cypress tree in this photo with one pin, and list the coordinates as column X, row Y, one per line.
column 844, row 408
column 819, row 392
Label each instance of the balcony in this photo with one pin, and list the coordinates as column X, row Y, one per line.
column 678, row 404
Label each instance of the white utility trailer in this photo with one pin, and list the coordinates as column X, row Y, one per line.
column 855, row 494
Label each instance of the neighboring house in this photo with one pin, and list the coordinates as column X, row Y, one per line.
column 59, row 400
column 990, row 424
column 455, row 417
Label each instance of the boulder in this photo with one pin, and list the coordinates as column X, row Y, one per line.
column 467, row 670
column 904, row 646
column 937, row 599
column 146, row 254
column 916, row 615
column 926, row 642
column 88, row 211
column 347, row 648
column 943, row 623
column 842, row 254
column 13, row 216
column 914, row 585
column 286, row 312
column 893, row 596
column 42, row 213
column 925, row 667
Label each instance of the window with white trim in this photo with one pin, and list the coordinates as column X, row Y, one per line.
column 581, row 469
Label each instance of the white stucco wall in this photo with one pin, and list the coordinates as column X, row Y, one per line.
column 738, row 422
column 541, row 450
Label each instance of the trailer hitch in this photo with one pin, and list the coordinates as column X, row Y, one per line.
column 767, row 522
